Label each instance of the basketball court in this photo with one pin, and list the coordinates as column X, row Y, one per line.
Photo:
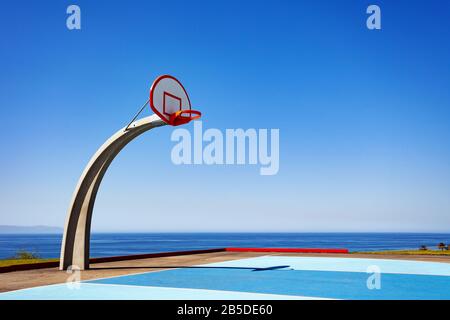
column 262, row 277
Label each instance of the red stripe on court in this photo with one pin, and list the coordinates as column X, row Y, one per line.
column 298, row 250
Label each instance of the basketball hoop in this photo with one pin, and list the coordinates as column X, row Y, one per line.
column 170, row 101
column 178, row 118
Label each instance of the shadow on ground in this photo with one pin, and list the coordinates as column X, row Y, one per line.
column 190, row 267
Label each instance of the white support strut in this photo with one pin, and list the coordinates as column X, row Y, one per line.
column 77, row 232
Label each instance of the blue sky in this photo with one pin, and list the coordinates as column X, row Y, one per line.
column 364, row 116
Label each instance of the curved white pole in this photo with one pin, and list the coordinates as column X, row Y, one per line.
column 77, row 232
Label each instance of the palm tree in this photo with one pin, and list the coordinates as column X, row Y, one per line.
column 441, row 246
column 423, row 247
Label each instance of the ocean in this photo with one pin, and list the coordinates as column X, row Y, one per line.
column 112, row 244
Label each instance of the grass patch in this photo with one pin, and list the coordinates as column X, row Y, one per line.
column 13, row 262
column 412, row 252
column 24, row 257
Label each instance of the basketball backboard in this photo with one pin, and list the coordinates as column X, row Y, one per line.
column 170, row 101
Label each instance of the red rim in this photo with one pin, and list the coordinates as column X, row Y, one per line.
column 177, row 118
column 197, row 114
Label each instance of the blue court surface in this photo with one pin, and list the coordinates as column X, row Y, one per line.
column 266, row 277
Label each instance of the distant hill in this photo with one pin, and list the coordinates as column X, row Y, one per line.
column 29, row 229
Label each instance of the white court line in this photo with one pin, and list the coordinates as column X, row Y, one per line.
column 338, row 264
column 30, row 288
